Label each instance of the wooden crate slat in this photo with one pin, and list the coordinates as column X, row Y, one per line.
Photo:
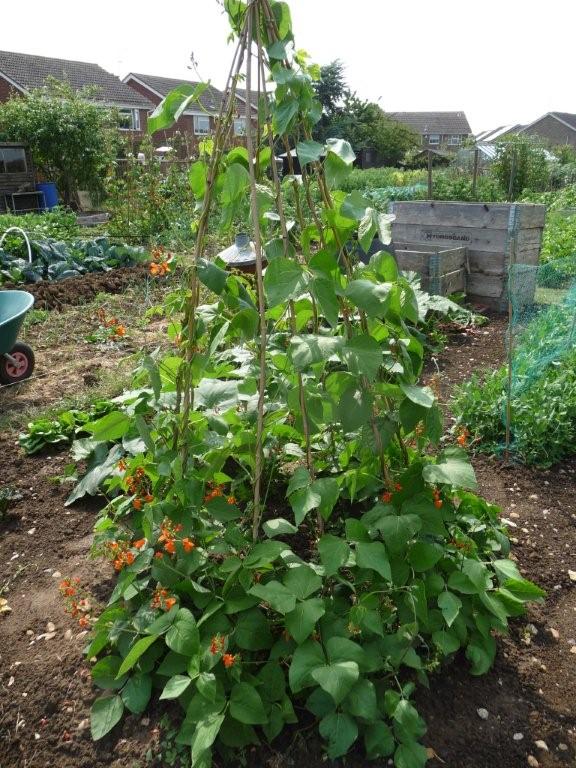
column 480, row 215
column 451, row 237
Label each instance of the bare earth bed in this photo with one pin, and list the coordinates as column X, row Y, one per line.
column 45, row 689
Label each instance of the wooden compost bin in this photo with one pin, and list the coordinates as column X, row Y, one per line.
column 442, row 270
column 495, row 236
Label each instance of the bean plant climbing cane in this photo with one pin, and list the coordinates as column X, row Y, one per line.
column 292, row 547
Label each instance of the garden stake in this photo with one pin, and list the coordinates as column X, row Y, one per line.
column 190, row 320
column 286, row 245
column 257, row 513
column 509, row 387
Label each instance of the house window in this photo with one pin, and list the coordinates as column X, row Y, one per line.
column 201, row 125
column 434, row 138
column 240, row 126
column 455, row 141
column 13, row 160
column 129, row 119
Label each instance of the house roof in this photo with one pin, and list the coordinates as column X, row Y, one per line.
column 241, row 94
column 434, row 122
column 211, row 99
column 498, row 133
column 566, row 118
column 28, row 72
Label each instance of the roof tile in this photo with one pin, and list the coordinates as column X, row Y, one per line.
column 434, row 122
column 211, row 99
column 567, row 117
column 30, row 72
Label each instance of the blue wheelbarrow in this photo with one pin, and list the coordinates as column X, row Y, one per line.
column 16, row 358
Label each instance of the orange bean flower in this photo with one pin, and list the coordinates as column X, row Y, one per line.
column 217, row 644
column 229, row 660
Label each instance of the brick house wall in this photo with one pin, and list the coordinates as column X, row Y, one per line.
column 184, row 126
column 444, row 142
column 552, row 130
column 6, row 89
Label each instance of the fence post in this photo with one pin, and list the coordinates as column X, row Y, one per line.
column 512, row 177
column 475, row 172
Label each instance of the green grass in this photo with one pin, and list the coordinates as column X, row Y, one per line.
column 550, row 295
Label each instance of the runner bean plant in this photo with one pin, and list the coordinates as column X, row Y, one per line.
column 292, row 546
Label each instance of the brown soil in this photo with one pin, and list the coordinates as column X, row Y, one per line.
column 79, row 290
column 45, row 685
column 45, row 689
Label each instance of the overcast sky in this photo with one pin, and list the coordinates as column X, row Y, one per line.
column 501, row 61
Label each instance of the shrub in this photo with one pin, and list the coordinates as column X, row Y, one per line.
column 559, row 238
column 57, row 224
column 556, row 200
column 448, row 185
column 543, row 414
column 364, row 124
column 543, row 403
column 150, row 203
column 376, row 178
column 524, row 159
column 332, row 618
column 72, row 140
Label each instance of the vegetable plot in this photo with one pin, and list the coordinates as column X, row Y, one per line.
column 57, row 260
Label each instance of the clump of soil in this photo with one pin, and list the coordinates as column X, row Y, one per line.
column 80, row 290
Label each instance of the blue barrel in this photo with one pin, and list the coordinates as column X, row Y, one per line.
column 50, row 194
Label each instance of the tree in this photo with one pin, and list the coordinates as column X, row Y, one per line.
column 72, row 140
column 363, row 123
column 331, row 88
column 366, row 126
column 521, row 164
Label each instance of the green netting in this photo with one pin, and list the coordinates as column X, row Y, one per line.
column 541, row 350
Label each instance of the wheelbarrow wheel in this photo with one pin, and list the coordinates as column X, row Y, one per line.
column 21, row 365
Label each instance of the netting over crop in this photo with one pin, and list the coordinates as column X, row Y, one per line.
column 541, row 354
